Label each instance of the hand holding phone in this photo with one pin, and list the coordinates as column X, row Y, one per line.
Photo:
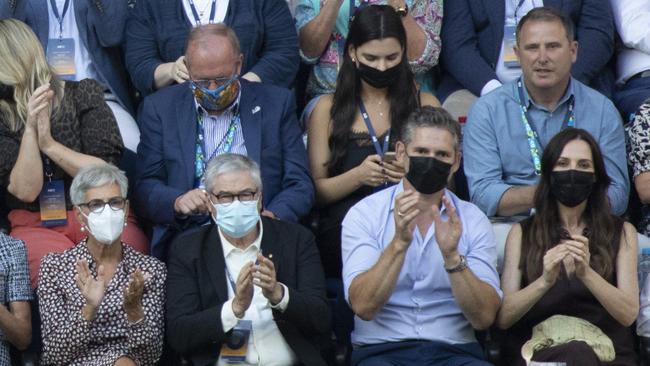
column 389, row 157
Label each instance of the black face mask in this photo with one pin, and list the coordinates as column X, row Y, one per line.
column 572, row 187
column 377, row 78
column 427, row 175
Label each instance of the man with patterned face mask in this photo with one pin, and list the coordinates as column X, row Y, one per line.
column 419, row 264
column 216, row 112
column 247, row 286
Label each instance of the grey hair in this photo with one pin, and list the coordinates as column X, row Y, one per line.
column 229, row 163
column 428, row 116
column 96, row 176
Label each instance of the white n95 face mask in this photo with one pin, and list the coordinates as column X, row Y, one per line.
column 107, row 225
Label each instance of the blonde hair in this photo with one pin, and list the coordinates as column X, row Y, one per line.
column 24, row 68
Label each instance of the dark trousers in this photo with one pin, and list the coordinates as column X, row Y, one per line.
column 425, row 353
column 630, row 96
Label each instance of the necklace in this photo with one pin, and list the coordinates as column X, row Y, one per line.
column 205, row 7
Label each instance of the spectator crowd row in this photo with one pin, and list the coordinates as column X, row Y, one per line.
column 401, row 133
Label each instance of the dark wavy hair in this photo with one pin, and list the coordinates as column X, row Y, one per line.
column 370, row 23
column 544, row 230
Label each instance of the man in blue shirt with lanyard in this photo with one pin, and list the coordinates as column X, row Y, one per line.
column 508, row 129
column 215, row 112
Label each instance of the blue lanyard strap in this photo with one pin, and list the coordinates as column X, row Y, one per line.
column 521, row 2
column 232, row 282
column 371, row 131
column 224, row 145
column 533, row 142
column 59, row 18
column 195, row 13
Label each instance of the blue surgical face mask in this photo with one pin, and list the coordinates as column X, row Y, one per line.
column 237, row 218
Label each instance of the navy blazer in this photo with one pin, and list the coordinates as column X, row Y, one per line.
column 197, row 289
column 472, row 34
column 157, row 32
column 166, row 154
column 101, row 28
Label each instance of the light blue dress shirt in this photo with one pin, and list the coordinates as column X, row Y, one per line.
column 216, row 127
column 496, row 150
column 422, row 305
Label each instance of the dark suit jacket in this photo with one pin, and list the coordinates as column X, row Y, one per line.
column 101, row 28
column 472, row 33
column 166, row 154
column 197, row 289
column 157, row 32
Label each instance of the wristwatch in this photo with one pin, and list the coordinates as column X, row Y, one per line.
column 459, row 267
column 402, row 10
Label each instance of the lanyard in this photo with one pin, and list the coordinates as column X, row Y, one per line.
column 59, row 18
column 224, row 145
column 533, row 142
column 232, row 282
column 197, row 18
column 521, row 2
column 371, row 131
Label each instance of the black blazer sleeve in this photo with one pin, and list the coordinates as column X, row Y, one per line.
column 192, row 322
column 308, row 309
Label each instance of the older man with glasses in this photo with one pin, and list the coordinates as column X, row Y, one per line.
column 246, row 288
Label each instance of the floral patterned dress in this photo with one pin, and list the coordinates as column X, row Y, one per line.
column 638, row 133
column 68, row 339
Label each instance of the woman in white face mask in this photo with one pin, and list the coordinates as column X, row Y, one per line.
column 101, row 302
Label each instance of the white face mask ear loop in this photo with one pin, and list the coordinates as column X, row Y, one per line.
column 83, row 226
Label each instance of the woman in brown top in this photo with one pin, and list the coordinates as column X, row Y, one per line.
column 571, row 258
column 49, row 129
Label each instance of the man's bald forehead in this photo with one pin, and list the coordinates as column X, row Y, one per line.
column 210, row 45
column 213, row 35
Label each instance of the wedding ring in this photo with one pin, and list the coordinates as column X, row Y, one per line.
column 400, row 214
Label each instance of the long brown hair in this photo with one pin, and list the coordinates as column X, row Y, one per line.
column 543, row 231
column 370, row 23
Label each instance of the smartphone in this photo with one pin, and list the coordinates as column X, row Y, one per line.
column 389, row 157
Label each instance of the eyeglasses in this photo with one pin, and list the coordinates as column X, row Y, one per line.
column 228, row 198
column 97, row 206
column 216, row 82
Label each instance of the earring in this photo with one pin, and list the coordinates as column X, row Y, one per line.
column 83, row 229
column 125, row 223
column 354, row 60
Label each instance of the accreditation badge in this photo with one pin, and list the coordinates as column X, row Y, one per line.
column 234, row 350
column 60, row 55
column 52, row 202
column 509, row 42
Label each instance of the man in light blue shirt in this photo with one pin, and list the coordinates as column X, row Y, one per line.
column 500, row 154
column 419, row 264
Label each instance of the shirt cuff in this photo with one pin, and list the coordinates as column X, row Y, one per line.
column 228, row 317
column 491, row 197
column 282, row 305
column 491, row 85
